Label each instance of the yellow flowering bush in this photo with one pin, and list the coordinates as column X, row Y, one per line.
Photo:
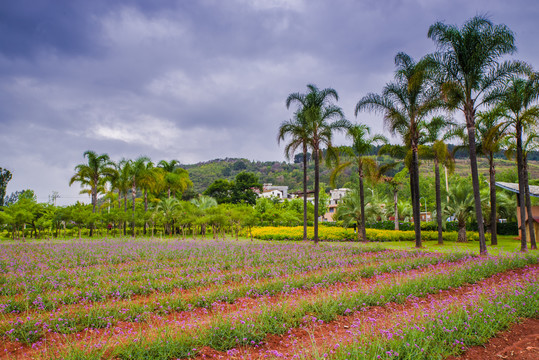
column 342, row 234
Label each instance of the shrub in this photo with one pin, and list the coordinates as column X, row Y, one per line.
column 340, row 234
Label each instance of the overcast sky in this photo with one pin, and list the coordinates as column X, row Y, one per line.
column 197, row 80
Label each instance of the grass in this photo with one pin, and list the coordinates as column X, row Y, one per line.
column 506, row 244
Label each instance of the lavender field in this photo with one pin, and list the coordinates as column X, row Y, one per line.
column 174, row 299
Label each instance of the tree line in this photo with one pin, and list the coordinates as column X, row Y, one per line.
column 467, row 74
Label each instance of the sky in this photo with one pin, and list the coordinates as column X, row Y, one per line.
column 196, row 80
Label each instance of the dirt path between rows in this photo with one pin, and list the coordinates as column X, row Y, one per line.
column 322, row 338
column 519, row 342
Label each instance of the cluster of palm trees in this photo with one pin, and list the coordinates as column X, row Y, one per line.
column 128, row 177
column 466, row 75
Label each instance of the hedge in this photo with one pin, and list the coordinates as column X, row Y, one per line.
column 341, row 234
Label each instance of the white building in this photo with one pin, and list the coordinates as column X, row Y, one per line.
column 274, row 191
column 336, row 197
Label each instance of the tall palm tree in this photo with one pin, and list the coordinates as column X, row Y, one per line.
column 139, row 170
column 122, row 182
column 168, row 167
column 517, row 99
column 362, row 144
column 176, row 179
column 439, row 152
column 147, row 181
column 94, row 175
column 406, row 103
column 298, row 132
column 531, row 144
column 322, row 119
column 491, row 136
column 468, row 68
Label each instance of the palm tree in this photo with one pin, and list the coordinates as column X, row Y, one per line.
column 122, row 182
column 440, row 154
column 139, row 171
column 297, row 130
column 351, row 209
column 94, row 175
column 322, row 118
column 517, row 99
column 147, row 181
column 378, row 174
column 362, row 144
column 460, row 205
column 204, row 202
column 531, row 144
column 168, row 208
column 405, row 104
column 491, row 136
column 467, row 70
column 176, row 179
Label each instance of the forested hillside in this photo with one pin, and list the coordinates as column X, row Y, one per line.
column 283, row 173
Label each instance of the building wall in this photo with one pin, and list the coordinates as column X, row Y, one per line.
column 535, row 214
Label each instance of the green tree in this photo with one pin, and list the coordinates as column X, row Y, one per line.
column 243, row 188
column 139, row 171
column 491, row 137
column 435, row 136
column 406, row 103
column 468, row 69
column 378, row 174
column 176, row 180
column 168, row 208
column 460, row 205
column 94, row 175
column 517, row 100
column 122, row 182
column 362, row 144
column 322, row 118
column 298, row 132
column 351, row 210
column 5, row 177
column 220, row 190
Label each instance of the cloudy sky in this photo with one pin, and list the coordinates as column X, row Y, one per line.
column 197, row 80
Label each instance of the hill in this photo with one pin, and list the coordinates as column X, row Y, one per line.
column 282, row 173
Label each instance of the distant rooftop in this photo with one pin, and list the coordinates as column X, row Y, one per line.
column 534, row 190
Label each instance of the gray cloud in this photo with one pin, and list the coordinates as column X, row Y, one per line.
column 196, row 80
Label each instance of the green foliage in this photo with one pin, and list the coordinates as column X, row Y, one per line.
column 5, row 177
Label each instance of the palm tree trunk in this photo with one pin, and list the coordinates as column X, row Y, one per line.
column 395, row 201
column 362, row 204
column 461, row 237
column 119, row 208
column 133, row 195
column 438, row 201
column 94, row 203
column 125, row 210
column 470, row 124
column 414, row 175
column 145, row 209
column 521, row 190
column 493, row 207
column 531, row 221
column 304, row 191
column 316, row 190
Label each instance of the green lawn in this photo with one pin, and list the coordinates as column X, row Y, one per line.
column 506, row 243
